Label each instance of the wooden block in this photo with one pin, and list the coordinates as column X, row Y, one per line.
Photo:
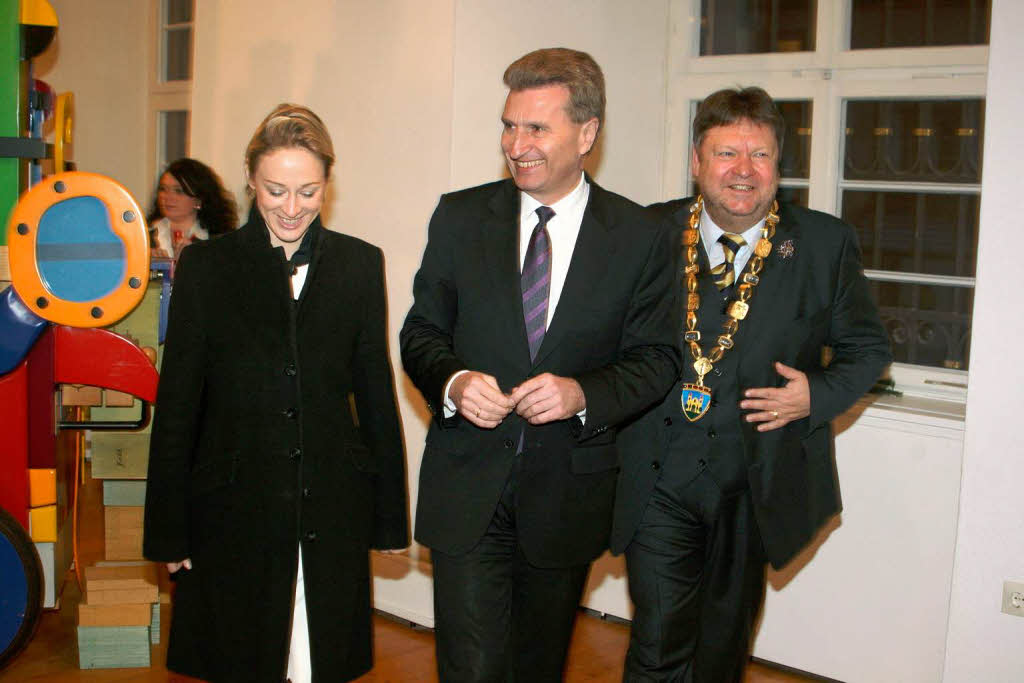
column 123, row 577
column 117, row 455
column 124, row 548
column 124, row 492
column 113, row 647
column 42, row 524
column 117, row 399
column 139, row 614
column 80, row 395
column 5, row 268
column 42, row 487
column 122, row 596
column 154, row 623
column 122, row 532
column 123, row 517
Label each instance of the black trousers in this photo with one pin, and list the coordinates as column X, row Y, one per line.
column 497, row 617
column 696, row 576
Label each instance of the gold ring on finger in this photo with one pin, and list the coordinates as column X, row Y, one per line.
column 775, row 414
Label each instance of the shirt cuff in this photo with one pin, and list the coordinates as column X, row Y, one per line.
column 449, row 408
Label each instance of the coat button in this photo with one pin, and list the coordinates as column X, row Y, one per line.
column 290, row 413
column 306, row 493
column 655, row 465
column 294, row 453
column 668, row 421
column 714, row 402
column 509, row 443
column 703, row 463
column 310, row 535
column 712, row 433
column 290, row 370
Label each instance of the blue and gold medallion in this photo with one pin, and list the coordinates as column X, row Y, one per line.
column 696, row 399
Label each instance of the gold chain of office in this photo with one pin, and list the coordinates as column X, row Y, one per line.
column 738, row 307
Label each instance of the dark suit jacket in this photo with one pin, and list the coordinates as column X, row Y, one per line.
column 255, row 449
column 815, row 297
column 613, row 331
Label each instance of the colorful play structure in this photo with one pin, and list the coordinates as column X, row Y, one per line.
column 78, row 254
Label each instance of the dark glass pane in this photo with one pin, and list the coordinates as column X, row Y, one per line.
column 915, row 232
column 178, row 11
column 918, row 23
column 178, row 56
column 733, row 27
column 792, row 195
column 175, row 128
column 927, row 324
column 937, row 141
column 796, row 149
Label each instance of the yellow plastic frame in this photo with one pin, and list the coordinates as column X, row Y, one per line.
column 21, row 244
column 63, row 128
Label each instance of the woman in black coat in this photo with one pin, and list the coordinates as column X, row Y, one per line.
column 276, row 458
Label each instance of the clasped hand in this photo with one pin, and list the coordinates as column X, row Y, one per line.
column 541, row 399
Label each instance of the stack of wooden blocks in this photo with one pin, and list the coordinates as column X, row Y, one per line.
column 121, row 460
column 119, row 617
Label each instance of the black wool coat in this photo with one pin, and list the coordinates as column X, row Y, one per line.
column 257, row 450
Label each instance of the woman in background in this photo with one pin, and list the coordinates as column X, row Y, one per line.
column 266, row 489
column 190, row 204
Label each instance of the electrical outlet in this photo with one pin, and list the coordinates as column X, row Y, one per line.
column 1013, row 598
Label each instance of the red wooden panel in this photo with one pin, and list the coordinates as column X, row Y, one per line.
column 101, row 358
column 42, row 417
column 14, row 443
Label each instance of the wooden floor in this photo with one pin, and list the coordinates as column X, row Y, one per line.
column 403, row 654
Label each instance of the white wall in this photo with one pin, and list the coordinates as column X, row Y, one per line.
column 100, row 54
column 983, row 644
column 628, row 40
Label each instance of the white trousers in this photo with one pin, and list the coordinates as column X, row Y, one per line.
column 300, row 668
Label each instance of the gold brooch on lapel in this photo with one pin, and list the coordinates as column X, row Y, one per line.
column 786, row 249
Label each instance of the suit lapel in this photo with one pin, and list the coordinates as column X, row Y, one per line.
column 590, row 258
column 777, row 284
column 500, row 237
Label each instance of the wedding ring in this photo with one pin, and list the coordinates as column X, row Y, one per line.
column 775, row 414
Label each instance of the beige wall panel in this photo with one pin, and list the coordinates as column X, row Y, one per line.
column 100, row 54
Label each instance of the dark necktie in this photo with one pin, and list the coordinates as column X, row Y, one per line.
column 724, row 273
column 536, row 280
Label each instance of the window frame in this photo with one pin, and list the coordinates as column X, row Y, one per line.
column 164, row 96
column 827, row 78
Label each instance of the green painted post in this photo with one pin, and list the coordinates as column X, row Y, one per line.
column 10, row 104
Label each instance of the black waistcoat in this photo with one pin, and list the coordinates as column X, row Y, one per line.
column 715, row 441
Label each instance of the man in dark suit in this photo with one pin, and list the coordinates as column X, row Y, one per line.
column 735, row 466
column 543, row 318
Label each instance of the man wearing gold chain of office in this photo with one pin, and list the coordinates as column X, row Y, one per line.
column 735, row 467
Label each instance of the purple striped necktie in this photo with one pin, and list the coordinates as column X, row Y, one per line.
column 536, row 280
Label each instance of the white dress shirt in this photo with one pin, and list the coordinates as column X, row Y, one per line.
column 563, row 229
